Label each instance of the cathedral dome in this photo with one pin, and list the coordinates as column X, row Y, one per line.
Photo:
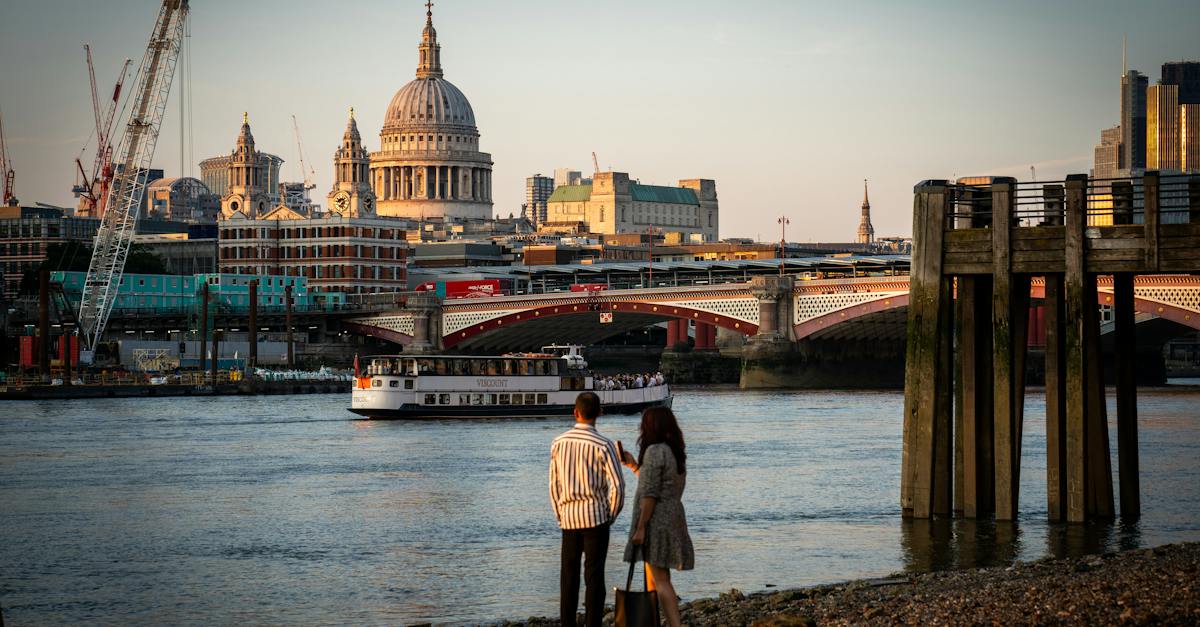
column 430, row 103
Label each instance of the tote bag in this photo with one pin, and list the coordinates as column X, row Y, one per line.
column 635, row 609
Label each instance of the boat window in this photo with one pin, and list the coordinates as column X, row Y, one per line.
column 503, row 399
column 425, row 366
column 464, row 399
column 377, row 383
column 517, row 399
column 393, row 383
column 541, row 366
column 553, row 367
column 477, row 399
column 408, row 384
column 542, row 399
column 507, row 367
column 491, row 399
column 440, row 366
column 462, row 367
column 523, row 367
column 531, row 399
column 443, row 399
column 430, row 399
column 410, row 367
column 493, row 367
column 478, row 367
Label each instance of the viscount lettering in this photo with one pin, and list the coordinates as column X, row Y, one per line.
column 492, row 383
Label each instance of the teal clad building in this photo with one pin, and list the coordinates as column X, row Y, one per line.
column 152, row 293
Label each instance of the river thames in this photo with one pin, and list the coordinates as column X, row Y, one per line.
column 286, row 510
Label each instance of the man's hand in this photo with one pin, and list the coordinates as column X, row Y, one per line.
column 629, row 461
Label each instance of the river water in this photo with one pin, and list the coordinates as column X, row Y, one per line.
column 285, row 510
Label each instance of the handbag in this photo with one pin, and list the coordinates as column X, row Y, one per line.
column 635, row 609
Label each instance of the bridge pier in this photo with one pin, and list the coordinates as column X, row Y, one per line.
column 769, row 358
column 427, row 327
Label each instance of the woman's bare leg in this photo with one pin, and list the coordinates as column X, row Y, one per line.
column 666, row 595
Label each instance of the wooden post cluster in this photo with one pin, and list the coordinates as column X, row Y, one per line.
column 975, row 259
column 252, row 335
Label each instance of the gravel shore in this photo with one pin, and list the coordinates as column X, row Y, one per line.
column 1144, row 586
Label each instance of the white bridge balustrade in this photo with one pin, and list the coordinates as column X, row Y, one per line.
column 818, row 307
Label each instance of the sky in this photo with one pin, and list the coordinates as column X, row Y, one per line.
column 788, row 105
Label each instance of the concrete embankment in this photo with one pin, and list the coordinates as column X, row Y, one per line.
column 67, row 392
column 1144, row 586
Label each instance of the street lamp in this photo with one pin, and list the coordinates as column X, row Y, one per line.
column 783, row 222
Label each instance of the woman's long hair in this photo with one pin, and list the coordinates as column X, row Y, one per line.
column 659, row 425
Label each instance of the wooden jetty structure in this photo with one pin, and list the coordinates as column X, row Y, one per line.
column 977, row 246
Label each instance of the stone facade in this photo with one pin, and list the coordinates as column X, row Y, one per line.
column 247, row 192
column 866, row 232
column 614, row 204
column 429, row 164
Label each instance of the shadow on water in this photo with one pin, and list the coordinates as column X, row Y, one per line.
column 954, row 543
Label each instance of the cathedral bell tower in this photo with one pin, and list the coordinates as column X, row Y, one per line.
column 246, row 193
column 351, row 195
column 866, row 232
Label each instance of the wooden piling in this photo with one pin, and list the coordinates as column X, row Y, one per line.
column 203, row 333
column 216, row 354
column 1056, row 477
column 1010, row 315
column 1074, row 357
column 1099, row 487
column 925, row 389
column 252, row 332
column 974, row 362
column 1126, row 357
column 287, row 321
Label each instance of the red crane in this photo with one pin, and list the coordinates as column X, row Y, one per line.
column 6, row 169
column 93, row 186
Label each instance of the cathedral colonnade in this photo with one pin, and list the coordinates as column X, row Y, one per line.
column 432, row 182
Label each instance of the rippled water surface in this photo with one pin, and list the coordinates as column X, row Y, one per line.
column 284, row 510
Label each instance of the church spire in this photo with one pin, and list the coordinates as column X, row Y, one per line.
column 430, row 62
column 866, row 231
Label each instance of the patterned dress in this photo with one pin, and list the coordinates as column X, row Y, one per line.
column 667, row 543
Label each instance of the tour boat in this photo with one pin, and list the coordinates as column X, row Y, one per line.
column 524, row 385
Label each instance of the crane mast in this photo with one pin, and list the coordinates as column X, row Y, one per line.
column 6, row 170
column 94, row 185
column 133, row 157
column 306, row 171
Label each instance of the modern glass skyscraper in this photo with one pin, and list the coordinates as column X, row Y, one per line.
column 1163, row 137
column 1133, row 120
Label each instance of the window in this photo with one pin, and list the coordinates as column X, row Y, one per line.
column 464, row 399
column 478, row 367
column 542, row 399
column 508, row 366
column 530, row 399
column 408, row 384
column 491, row 399
column 517, row 399
column 477, row 399
column 377, row 383
column 430, row 399
column 443, row 399
column 504, row 399
column 393, row 383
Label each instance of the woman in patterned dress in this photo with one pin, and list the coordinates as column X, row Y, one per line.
column 659, row 524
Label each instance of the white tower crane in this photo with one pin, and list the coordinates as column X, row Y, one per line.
column 132, row 163
column 6, row 170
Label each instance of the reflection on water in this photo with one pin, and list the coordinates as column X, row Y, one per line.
column 946, row 543
column 284, row 510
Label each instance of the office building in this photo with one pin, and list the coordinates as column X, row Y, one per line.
column 613, row 203
column 1108, row 157
column 1133, row 120
column 429, row 163
column 1186, row 76
column 567, row 176
column 26, row 233
column 538, row 189
column 1163, row 140
column 1189, row 131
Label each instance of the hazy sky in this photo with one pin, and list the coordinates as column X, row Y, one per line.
column 787, row 104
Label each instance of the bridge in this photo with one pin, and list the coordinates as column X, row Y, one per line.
column 770, row 309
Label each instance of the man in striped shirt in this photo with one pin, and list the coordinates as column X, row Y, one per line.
column 587, row 492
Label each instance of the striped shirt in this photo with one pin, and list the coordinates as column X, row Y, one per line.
column 586, row 486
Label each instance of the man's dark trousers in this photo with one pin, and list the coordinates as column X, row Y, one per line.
column 591, row 544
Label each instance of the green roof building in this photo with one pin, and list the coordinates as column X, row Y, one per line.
column 614, row 204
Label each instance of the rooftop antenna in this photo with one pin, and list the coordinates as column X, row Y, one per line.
column 1124, row 54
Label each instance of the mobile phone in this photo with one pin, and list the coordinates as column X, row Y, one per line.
column 620, row 452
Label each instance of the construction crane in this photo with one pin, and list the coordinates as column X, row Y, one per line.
column 134, row 154
column 595, row 162
column 306, row 171
column 93, row 186
column 1032, row 173
column 6, row 169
